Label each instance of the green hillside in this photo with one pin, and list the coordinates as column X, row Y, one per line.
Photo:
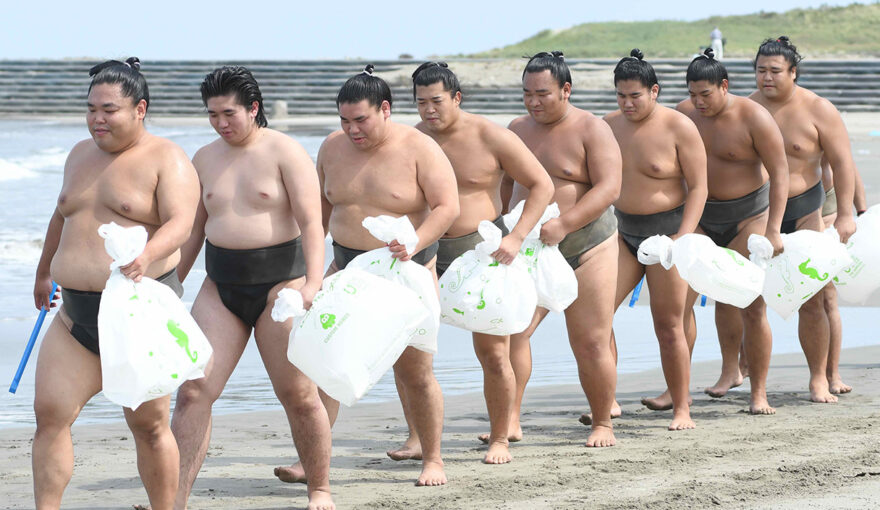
column 825, row 31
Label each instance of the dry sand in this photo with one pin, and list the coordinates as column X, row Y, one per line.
column 807, row 456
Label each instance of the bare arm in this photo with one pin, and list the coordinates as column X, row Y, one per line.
column 522, row 166
column 835, row 142
column 692, row 160
column 437, row 181
column 860, row 200
column 770, row 147
column 43, row 280
column 177, row 195
column 191, row 248
column 326, row 206
column 304, row 191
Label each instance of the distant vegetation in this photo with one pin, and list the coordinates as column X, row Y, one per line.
column 822, row 32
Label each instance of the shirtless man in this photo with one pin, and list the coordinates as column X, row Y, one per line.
column 260, row 211
column 579, row 152
column 829, row 214
column 663, row 192
column 481, row 153
column 126, row 175
column 741, row 141
column 811, row 127
column 375, row 166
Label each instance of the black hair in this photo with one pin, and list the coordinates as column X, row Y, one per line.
column 780, row 46
column 430, row 73
column 238, row 80
column 634, row 67
column 127, row 74
column 364, row 86
column 554, row 62
column 706, row 68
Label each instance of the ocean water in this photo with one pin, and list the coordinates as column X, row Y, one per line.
column 32, row 155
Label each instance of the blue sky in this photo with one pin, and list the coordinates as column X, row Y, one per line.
column 165, row 29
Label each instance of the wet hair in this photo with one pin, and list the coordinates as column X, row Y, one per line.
column 364, row 86
column 780, row 46
column 126, row 74
column 635, row 68
column 237, row 80
column 554, row 62
column 706, row 68
column 430, row 73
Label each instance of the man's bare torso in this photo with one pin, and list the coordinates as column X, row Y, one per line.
column 652, row 179
column 243, row 191
column 98, row 188
column 734, row 167
column 359, row 184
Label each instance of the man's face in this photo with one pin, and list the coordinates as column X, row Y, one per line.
column 709, row 99
column 437, row 107
column 544, row 99
column 774, row 77
column 113, row 120
column 232, row 121
column 636, row 100
column 364, row 123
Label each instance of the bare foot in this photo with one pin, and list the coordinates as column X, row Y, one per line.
column 411, row 450
column 587, row 418
column 142, row 507
column 601, row 437
column 760, row 406
column 837, row 386
column 661, row 403
column 514, row 437
column 499, row 453
column 432, row 475
column 819, row 393
column 724, row 385
column 682, row 421
column 293, row 474
column 320, row 500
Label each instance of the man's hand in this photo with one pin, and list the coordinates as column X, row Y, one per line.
column 308, row 292
column 509, row 248
column 398, row 251
column 137, row 268
column 42, row 291
column 553, row 232
column 845, row 226
column 775, row 239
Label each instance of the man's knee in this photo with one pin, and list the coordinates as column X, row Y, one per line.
column 814, row 306
column 300, row 397
column 669, row 331
column 194, row 393
column 493, row 361
column 52, row 414
column 148, row 429
column 755, row 312
column 416, row 381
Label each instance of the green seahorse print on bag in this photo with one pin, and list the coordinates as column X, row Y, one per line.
column 182, row 339
column 811, row 272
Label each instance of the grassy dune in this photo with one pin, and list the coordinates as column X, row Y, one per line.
column 825, row 31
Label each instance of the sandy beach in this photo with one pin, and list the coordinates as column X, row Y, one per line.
column 806, row 456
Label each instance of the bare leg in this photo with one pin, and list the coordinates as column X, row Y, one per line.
column 157, row 456
column 521, row 361
column 67, row 376
column 667, row 308
column 729, row 323
column 411, row 449
column 309, row 424
column 588, row 321
column 832, row 371
column 295, row 473
column 499, row 388
column 191, row 421
column 425, row 405
column 814, row 331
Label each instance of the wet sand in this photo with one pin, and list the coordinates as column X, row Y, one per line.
column 806, row 456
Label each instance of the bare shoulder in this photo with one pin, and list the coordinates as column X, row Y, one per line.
column 613, row 118
column 491, row 132
column 283, row 142
column 676, row 120
column 752, row 111
column 686, row 107
column 758, row 98
column 821, row 108
column 519, row 123
column 592, row 127
column 333, row 141
column 164, row 149
column 413, row 138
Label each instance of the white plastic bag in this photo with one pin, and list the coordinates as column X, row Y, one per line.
column 555, row 282
column 716, row 272
column 480, row 294
column 856, row 283
column 809, row 261
column 407, row 273
column 149, row 342
column 357, row 327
